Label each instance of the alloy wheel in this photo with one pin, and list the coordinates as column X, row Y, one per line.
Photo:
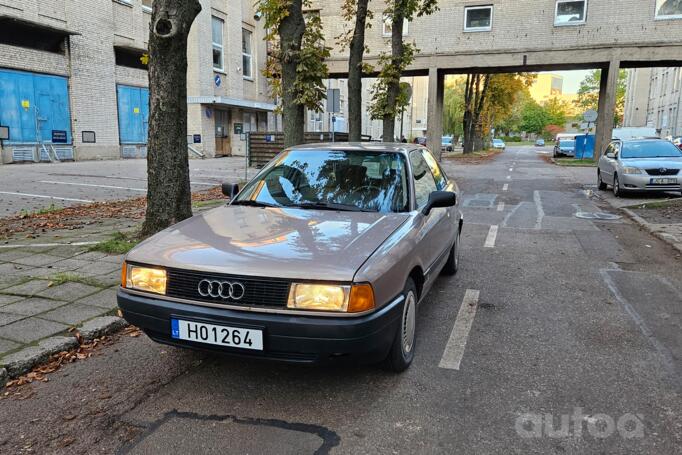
column 408, row 322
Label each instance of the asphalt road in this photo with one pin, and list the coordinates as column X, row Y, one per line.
column 32, row 187
column 574, row 347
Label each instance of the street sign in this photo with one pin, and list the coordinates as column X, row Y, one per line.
column 238, row 128
column 217, row 79
column 196, row 138
column 590, row 116
column 58, row 137
column 334, row 100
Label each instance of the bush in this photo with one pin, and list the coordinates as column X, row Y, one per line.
column 512, row 138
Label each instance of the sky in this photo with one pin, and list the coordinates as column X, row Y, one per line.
column 572, row 79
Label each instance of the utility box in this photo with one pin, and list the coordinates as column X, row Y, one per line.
column 584, row 146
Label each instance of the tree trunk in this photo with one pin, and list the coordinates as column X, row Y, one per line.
column 474, row 103
column 393, row 88
column 357, row 50
column 291, row 30
column 169, row 197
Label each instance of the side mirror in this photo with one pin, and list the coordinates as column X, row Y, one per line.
column 611, row 155
column 439, row 199
column 230, row 189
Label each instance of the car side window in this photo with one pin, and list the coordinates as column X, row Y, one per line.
column 608, row 149
column 424, row 183
column 437, row 172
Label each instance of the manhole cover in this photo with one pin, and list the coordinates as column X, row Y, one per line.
column 597, row 216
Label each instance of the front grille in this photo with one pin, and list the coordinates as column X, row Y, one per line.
column 267, row 292
column 662, row 171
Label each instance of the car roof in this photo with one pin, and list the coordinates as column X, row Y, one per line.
column 641, row 139
column 373, row 147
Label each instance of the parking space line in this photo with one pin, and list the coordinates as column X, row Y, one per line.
column 492, row 236
column 42, row 196
column 505, row 187
column 509, row 177
column 511, row 169
column 500, row 207
column 454, row 349
column 112, row 187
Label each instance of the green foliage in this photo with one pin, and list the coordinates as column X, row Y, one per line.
column 534, row 117
column 588, row 94
column 119, row 243
column 70, row 277
column 348, row 12
column 557, row 111
column 512, row 139
column 393, row 66
column 453, row 107
column 311, row 68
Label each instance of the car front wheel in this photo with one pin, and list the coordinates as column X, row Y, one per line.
column 402, row 351
column 616, row 186
column 600, row 182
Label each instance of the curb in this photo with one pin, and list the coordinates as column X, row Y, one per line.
column 25, row 360
column 648, row 227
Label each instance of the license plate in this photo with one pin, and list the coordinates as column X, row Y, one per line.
column 220, row 335
column 667, row 181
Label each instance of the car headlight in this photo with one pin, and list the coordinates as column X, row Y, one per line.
column 325, row 297
column 632, row 170
column 140, row 278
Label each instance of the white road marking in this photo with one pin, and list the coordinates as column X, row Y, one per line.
column 492, row 236
column 538, row 208
column 505, row 187
column 94, row 185
column 42, row 245
column 509, row 177
column 511, row 169
column 454, row 349
column 42, row 196
column 500, row 207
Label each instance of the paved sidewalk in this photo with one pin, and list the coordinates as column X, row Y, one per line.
column 46, row 291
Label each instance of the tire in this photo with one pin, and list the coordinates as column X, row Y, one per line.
column 402, row 350
column 616, row 186
column 452, row 264
column 600, row 183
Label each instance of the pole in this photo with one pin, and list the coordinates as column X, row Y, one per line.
column 246, row 156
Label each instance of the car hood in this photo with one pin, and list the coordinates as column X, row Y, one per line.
column 653, row 163
column 271, row 242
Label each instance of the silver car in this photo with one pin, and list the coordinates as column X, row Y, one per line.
column 323, row 256
column 640, row 165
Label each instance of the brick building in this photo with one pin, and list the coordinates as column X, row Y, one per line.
column 654, row 100
column 73, row 82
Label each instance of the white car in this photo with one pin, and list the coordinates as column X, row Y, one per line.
column 640, row 165
column 499, row 144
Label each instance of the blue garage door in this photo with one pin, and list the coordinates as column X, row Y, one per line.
column 133, row 114
column 33, row 106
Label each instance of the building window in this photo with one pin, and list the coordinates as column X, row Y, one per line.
column 570, row 12
column 247, row 60
column 478, row 18
column 217, row 32
column 668, row 9
column 388, row 25
column 147, row 5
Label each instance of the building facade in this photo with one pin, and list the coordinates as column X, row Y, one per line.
column 654, row 100
column 74, row 85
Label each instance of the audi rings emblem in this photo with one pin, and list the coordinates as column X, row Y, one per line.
column 223, row 289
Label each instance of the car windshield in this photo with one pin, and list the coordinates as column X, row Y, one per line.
column 497, row 141
column 447, row 140
column 650, row 149
column 331, row 179
column 566, row 143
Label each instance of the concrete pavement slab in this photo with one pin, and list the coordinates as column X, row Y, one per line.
column 73, row 314
column 68, row 291
column 105, row 299
column 32, row 306
column 102, row 325
column 7, row 299
column 70, row 264
column 8, row 318
column 28, row 288
column 97, row 268
column 38, row 260
column 7, row 345
column 31, row 329
column 10, row 269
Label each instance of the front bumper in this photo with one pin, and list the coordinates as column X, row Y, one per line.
column 286, row 337
column 642, row 182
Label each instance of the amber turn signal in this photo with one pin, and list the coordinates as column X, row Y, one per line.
column 361, row 298
column 124, row 274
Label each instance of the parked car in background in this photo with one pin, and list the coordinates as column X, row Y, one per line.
column 564, row 147
column 446, row 143
column 540, row 143
column 640, row 165
column 421, row 140
column 677, row 141
column 499, row 144
column 323, row 256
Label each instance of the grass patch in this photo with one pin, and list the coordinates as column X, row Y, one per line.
column 44, row 211
column 658, row 204
column 119, row 243
column 70, row 277
column 575, row 162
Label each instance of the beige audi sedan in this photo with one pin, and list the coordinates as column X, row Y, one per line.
column 323, row 256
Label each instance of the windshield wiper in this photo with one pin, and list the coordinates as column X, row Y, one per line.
column 252, row 203
column 330, row 206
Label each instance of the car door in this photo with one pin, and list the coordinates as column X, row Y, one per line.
column 607, row 165
column 431, row 237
